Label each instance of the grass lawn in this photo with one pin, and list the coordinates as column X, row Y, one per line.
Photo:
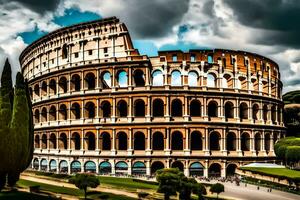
column 274, row 171
column 18, row 195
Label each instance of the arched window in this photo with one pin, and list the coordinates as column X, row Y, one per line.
column 106, row 142
column 37, row 141
column 75, row 82
column 255, row 110
column 195, row 108
column 273, row 114
column 105, row 168
column 75, row 167
column 90, row 81
column 211, row 80
column 158, row 108
column 230, row 170
column 212, row 109
column 178, row 165
column 63, row 142
column 44, row 164
column 122, row 108
column 122, row 141
column 157, row 78
column 245, row 142
column 257, row 141
column 52, row 166
column 265, row 112
column 196, row 141
column 90, row 141
column 139, row 168
column 214, row 170
column 52, row 141
column 44, row 141
column 176, row 108
column 106, row 80
column 52, row 86
column 121, row 167
column 36, row 164
column 193, row 79
column 52, row 113
column 64, row 53
column 63, row 166
column 214, row 141
column 176, row 78
column 44, row 114
column 36, row 116
column 231, row 142
column 227, row 81
column 44, row 88
column 243, row 111
column 157, row 165
column 75, row 141
column 122, row 79
column 139, row 78
column 75, row 111
column 63, row 112
column 229, row 110
column 196, row 169
column 177, row 141
column 158, row 141
column 139, row 141
column 63, row 84
column 37, row 90
column 139, row 108
column 106, row 109
column 90, row 110
column 90, row 167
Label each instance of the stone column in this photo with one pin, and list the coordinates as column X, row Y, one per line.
column 148, row 168
column 167, row 149
column 206, row 150
column 130, row 148
column 113, row 148
column 187, row 149
column 149, row 148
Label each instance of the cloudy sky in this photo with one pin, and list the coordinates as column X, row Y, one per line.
column 267, row 27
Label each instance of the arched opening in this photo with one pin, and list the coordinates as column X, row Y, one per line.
column 177, row 164
column 63, row 141
column 122, row 79
column 53, row 166
column 75, row 82
column 139, row 168
column 75, row 167
column 195, row 108
column 75, row 141
column 227, row 81
column 44, row 165
column 52, row 86
column 139, row 108
column 196, row 140
column 176, row 108
column 255, row 110
column 212, row 109
column 106, row 109
column 214, row 170
column 231, row 141
column 106, row 142
column 36, row 164
column 44, row 88
column 229, row 110
column 265, row 113
column 139, row 141
column 158, row 141
column 193, row 79
column 37, row 141
column 37, row 90
column 257, row 142
column 242, row 83
column 90, row 167
column 139, row 78
column 196, row 169
column 176, row 78
column 245, row 142
column 63, row 166
column 105, row 168
column 52, row 113
column 157, row 78
column 63, row 85
column 44, row 114
column 243, row 111
column 211, row 80
column 90, row 141
column 121, row 167
column 90, row 81
column 122, row 141
column 36, row 116
column 158, row 108
column 106, row 80
column 122, row 108
column 64, row 51
column 267, row 142
column 44, row 141
column 230, row 170
column 157, row 165
column 75, row 110
column 89, row 110
column 177, row 141
column 273, row 114
column 214, row 141
column 52, row 141
column 62, row 112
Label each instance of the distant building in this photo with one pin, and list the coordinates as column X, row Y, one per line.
column 100, row 106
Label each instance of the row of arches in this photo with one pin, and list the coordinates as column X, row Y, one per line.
column 196, row 141
column 90, row 110
column 122, row 167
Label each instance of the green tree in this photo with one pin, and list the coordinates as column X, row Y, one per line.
column 217, row 188
column 186, row 187
column 199, row 190
column 83, row 181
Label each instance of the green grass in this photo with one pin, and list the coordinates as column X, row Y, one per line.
column 18, row 195
column 288, row 173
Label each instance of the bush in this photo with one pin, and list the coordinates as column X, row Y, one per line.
column 142, row 195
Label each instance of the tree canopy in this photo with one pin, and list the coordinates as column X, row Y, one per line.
column 83, row 181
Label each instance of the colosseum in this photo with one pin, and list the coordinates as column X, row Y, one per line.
column 101, row 107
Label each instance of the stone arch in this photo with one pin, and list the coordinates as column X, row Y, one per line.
column 52, row 141
column 122, row 78
column 214, row 170
column 158, row 141
column 214, row 141
column 157, row 78
column 121, row 167
column 265, row 112
column 105, row 167
column 243, row 111
column 193, row 79
column 177, row 141
column 273, row 114
column 63, row 166
column 211, row 80
column 52, row 165
column 156, row 165
column 230, row 170
column 231, row 141
column 227, row 81
column 176, row 108
column 63, row 84
column 90, row 141
column 195, row 108
column 122, row 108
column 64, row 51
column 267, row 142
column 176, row 78
column 44, row 141
column 75, row 166
column 75, row 82
column 106, row 109
column 212, row 109
column 44, row 88
column 44, row 114
column 75, row 110
column 139, row 141
column 178, row 164
column 52, row 113
column 90, row 167
column 44, row 164
column 122, row 141
column 89, row 110
column 62, row 112
column 36, row 141
column 90, row 81
column 158, row 108
column 196, row 169
column 257, row 141
column 36, row 116
column 36, row 90
column 255, row 110
column 105, row 141
column 242, row 83
column 196, row 140
column 139, row 168
column 63, row 141
column 36, row 163
column 229, row 110
column 75, row 141
column 52, row 87
column 106, row 80
column 139, row 108
column 245, row 141
column 139, row 78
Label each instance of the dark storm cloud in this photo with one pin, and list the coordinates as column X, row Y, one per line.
column 39, row 6
column 279, row 17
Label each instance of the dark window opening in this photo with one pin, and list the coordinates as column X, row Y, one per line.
column 158, row 108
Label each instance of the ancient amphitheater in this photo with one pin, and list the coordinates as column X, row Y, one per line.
column 101, row 107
